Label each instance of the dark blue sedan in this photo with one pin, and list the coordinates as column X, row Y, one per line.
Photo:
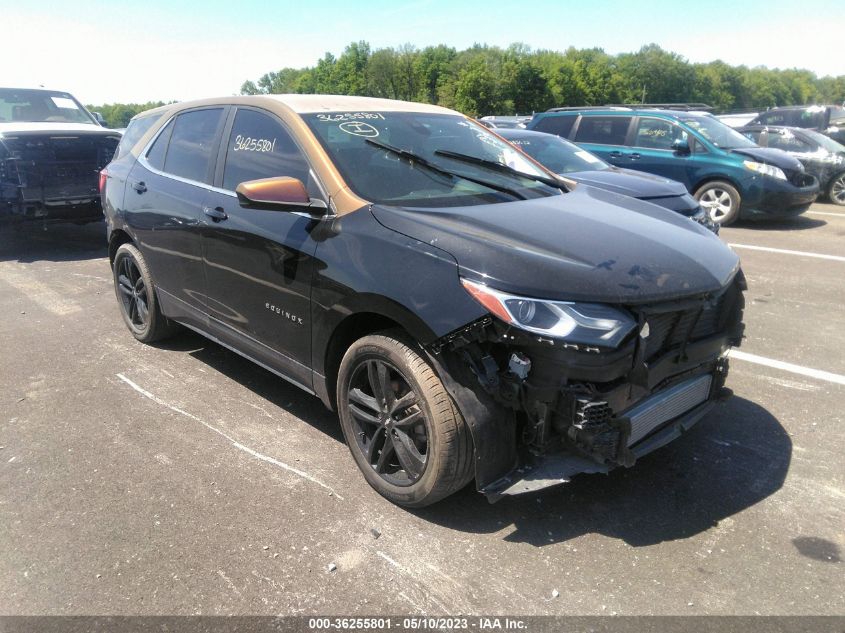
column 567, row 159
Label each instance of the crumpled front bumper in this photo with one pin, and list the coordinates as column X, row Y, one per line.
column 654, row 421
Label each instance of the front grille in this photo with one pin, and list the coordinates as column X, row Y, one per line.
column 802, row 179
column 58, row 166
column 670, row 329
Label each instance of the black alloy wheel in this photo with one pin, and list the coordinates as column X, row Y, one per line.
column 136, row 296
column 133, row 293
column 391, row 430
column 405, row 433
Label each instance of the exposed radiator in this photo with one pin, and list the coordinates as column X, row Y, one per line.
column 666, row 405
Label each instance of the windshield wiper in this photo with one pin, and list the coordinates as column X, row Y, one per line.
column 424, row 162
column 494, row 166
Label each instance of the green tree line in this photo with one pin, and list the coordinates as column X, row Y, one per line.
column 117, row 115
column 483, row 80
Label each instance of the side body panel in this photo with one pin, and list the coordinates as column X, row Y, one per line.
column 165, row 221
column 364, row 267
column 258, row 270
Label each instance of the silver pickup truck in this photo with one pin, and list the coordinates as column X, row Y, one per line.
column 51, row 152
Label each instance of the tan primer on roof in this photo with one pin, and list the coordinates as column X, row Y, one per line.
column 288, row 108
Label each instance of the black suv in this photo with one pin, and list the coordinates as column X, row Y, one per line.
column 829, row 119
column 466, row 314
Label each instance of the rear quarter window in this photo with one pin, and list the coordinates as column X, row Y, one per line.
column 155, row 157
column 133, row 133
column 604, row 130
column 560, row 125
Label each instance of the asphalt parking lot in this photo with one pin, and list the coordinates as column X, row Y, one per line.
column 182, row 479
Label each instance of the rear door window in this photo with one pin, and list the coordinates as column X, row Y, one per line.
column 192, row 143
column 775, row 118
column 560, row 125
column 260, row 147
column 604, row 130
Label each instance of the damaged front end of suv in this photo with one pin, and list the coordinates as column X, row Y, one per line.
column 632, row 381
column 616, row 358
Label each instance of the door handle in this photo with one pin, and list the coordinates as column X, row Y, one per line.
column 140, row 187
column 615, row 154
column 217, row 213
column 635, row 156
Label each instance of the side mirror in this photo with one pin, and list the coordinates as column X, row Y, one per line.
column 99, row 118
column 681, row 146
column 278, row 194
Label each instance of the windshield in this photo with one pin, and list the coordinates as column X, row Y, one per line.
column 41, row 106
column 825, row 141
column 382, row 176
column 558, row 155
column 717, row 132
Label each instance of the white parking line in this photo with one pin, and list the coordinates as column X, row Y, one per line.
column 233, row 441
column 836, row 215
column 783, row 251
column 795, row 369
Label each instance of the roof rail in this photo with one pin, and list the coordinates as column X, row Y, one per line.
column 578, row 108
column 685, row 107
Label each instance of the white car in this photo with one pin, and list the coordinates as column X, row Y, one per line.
column 51, row 152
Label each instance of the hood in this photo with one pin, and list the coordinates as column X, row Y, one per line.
column 770, row 155
column 628, row 182
column 48, row 127
column 586, row 245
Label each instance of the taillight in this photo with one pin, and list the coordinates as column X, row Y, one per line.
column 104, row 174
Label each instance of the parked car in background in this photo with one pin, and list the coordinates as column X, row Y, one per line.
column 51, row 153
column 567, row 159
column 827, row 119
column 504, row 122
column 729, row 174
column 821, row 155
column 468, row 320
column 737, row 119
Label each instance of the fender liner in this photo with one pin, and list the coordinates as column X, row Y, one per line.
column 492, row 426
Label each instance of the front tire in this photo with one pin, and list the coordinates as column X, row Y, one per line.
column 836, row 189
column 137, row 298
column 405, row 434
column 720, row 200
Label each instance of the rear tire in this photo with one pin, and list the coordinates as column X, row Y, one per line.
column 720, row 201
column 401, row 426
column 136, row 296
column 836, row 189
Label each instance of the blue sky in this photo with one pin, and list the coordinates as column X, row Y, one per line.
column 119, row 51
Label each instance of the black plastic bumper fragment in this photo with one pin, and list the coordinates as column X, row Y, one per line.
column 492, row 426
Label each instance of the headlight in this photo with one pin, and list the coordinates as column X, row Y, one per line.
column 587, row 323
column 764, row 169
